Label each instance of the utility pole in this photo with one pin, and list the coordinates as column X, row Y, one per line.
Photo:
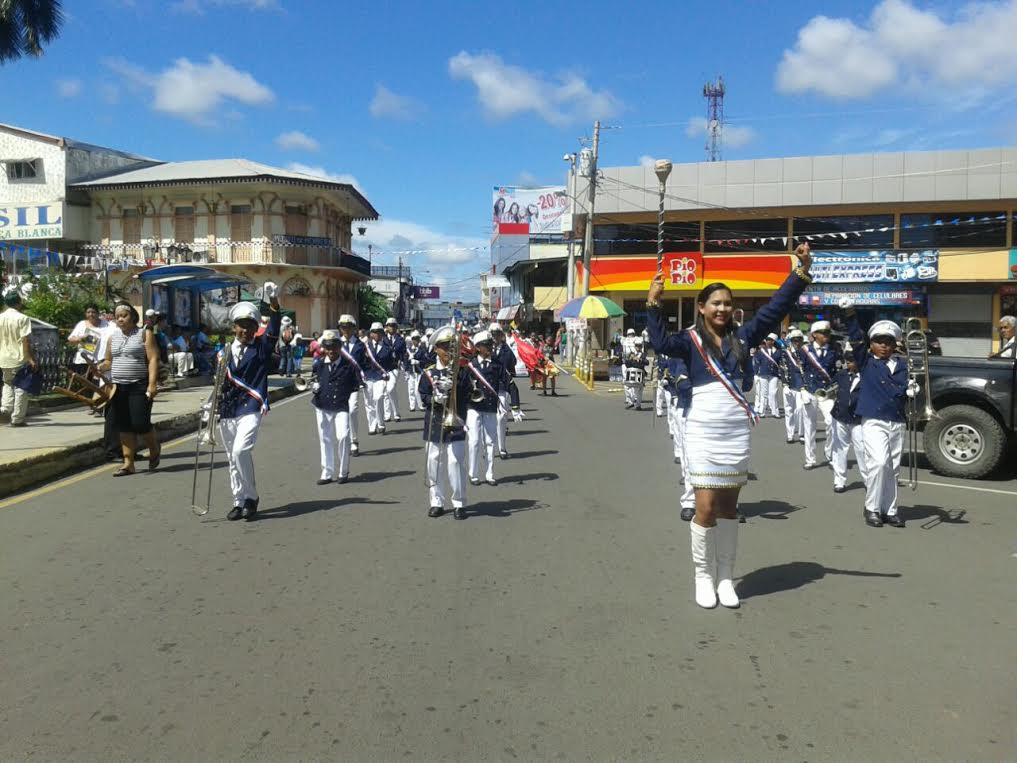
column 588, row 240
column 399, row 282
column 570, row 276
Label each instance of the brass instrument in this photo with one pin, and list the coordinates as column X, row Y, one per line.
column 209, row 414
column 300, row 384
column 477, row 395
column 916, row 349
column 826, row 393
column 451, row 420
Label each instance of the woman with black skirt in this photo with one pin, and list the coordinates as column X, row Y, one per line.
column 132, row 356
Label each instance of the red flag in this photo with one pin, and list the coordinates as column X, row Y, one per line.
column 527, row 353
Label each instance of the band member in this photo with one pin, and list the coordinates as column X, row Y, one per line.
column 376, row 375
column 446, row 445
column 504, row 355
column 882, row 397
column 416, row 359
column 679, row 395
column 846, row 431
column 1007, row 342
column 719, row 419
column 244, row 398
column 660, row 394
column 334, row 379
column 768, row 376
column 397, row 356
column 794, row 382
column 635, row 373
column 355, row 348
column 819, row 364
column 490, row 380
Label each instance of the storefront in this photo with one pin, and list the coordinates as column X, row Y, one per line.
column 874, row 302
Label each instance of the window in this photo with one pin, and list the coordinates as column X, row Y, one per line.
column 240, row 222
column 296, row 221
column 132, row 226
column 642, row 238
column 847, row 232
column 26, row 169
column 763, row 235
column 952, row 229
column 183, row 225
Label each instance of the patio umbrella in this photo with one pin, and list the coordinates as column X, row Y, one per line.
column 591, row 307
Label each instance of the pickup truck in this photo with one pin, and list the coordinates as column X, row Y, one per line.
column 975, row 415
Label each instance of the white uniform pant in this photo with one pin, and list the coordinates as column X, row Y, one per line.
column 660, row 399
column 792, row 413
column 15, row 399
column 374, row 394
column 811, row 410
column 768, row 389
column 392, row 394
column 238, row 438
column 845, row 436
column 183, row 361
column 333, row 437
column 481, row 433
column 676, row 422
column 413, row 390
column 884, row 441
column 634, row 394
column 354, row 417
column 447, row 464
column 757, row 401
column 503, row 417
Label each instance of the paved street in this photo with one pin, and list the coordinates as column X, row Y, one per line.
column 556, row 623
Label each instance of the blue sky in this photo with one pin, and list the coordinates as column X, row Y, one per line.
column 427, row 106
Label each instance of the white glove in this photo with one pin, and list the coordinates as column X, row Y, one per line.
column 444, row 385
column 913, row 388
column 270, row 291
column 517, row 415
column 439, row 399
column 846, row 303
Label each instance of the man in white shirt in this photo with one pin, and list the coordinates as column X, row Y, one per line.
column 15, row 353
column 179, row 356
column 1007, row 341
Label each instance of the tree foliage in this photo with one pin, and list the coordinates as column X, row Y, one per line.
column 25, row 25
column 373, row 306
column 61, row 298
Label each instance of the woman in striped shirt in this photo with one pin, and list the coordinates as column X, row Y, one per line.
column 132, row 356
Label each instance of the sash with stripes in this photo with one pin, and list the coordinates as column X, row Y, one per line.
column 769, row 357
column 722, row 376
column 244, row 386
column 794, row 361
column 374, row 360
column 487, row 385
column 816, row 364
column 353, row 361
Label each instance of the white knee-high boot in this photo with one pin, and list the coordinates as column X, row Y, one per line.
column 704, row 560
column 727, row 548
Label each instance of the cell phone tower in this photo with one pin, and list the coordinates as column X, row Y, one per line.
column 714, row 95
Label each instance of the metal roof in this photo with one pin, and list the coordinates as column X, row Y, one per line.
column 190, row 277
column 223, row 171
column 70, row 142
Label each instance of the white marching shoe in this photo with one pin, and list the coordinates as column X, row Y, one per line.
column 727, row 548
column 704, row 561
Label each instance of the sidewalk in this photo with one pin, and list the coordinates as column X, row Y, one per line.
column 57, row 442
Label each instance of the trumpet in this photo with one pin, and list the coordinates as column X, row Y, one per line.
column 826, row 393
column 916, row 349
column 477, row 394
column 300, row 384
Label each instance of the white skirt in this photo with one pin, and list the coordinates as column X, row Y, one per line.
column 717, row 432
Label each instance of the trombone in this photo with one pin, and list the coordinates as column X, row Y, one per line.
column 209, row 416
column 916, row 348
column 450, row 418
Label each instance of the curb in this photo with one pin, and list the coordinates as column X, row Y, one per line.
column 32, row 472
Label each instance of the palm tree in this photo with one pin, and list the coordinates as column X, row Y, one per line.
column 25, row 25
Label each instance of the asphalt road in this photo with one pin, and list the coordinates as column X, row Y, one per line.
column 556, row 623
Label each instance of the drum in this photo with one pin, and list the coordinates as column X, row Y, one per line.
column 633, row 376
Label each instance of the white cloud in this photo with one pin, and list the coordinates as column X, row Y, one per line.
column 526, row 178
column 732, row 136
column 321, row 172
column 505, row 91
column 389, row 105
column 198, row 7
column 68, row 88
column 194, row 91
column 647, row 161
column 296, row 141
column 903, row 46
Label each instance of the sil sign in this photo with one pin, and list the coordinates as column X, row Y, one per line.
column 18, row 223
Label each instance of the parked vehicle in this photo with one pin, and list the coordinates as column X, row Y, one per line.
column 975, row 417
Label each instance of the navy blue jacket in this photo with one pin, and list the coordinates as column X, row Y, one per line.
column 845, row 407
column 356, row 348
column 336, row 382
column 383, row 356
column 397, row 351
column 796, row 380
column 681, row 391
column 420, row 355
column 252, row 370
column 764, row 368
column 504, row 355
column 499, row 379
column 433, row 431
column 881, row 395
column 813, row 378
column 765, row 321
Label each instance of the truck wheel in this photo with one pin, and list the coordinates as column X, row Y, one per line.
column 964, row 441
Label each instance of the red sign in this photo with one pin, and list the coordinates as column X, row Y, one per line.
column 683, row 268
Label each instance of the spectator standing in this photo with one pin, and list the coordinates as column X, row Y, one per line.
column 286, row 337
column 87, row 336
column 15, row 354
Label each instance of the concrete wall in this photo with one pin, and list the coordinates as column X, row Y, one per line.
column 50, row 187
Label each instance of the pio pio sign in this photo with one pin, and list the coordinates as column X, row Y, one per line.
column 683, row 270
